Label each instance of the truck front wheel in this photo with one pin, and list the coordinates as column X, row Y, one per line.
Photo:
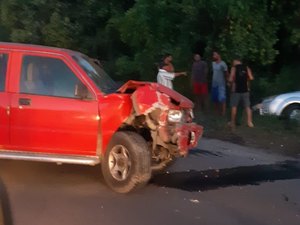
column 126, row 164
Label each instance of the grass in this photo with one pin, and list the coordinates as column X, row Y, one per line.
column 270, row 133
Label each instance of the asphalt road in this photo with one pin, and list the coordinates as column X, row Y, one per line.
column 218, row 183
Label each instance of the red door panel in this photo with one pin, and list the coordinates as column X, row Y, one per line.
column 53, row 124
column 4, row 101
column 4, row 120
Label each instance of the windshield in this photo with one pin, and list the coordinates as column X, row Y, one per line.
column 96, row 73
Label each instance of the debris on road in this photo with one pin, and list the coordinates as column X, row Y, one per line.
column 196, row 201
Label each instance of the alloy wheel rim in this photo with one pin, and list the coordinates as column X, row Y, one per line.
column 295, row 115
column 119, row 162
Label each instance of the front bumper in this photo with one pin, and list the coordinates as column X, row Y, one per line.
column 265, row 108
column 180, row 137
column 188, row 135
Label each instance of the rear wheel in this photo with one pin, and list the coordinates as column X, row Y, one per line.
column 126, row 164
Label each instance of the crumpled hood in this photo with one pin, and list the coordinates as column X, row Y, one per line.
column 152, row 91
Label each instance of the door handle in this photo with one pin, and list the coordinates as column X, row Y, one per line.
column 24, row 101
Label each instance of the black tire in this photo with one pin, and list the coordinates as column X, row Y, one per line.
column 289, row 116
column 289, row 113
column 291, row 110
column 126, row 165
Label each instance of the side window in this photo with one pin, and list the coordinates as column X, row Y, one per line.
column 3, row 69
column 47, row 76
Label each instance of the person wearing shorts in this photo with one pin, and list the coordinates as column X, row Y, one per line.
column 199, row 82
column 218, row 90
column 239, row 79
column 218, row 93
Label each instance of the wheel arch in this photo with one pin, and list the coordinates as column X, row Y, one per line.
column 287, row 106
column 287, row 103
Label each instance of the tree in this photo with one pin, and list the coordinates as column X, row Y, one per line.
column 79, row 25
column 131, row 36
column 232, row 26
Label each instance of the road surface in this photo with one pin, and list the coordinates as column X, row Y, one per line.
column 218, row 183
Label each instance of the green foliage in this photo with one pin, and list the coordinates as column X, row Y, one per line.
column 287, row 13
column 59, row 31
column 133, row 35
column 126, row 68
column 79, row 25
column 251, row 34
column 234, row 27
column 287, row 80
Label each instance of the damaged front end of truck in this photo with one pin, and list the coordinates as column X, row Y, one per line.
column 164, row 118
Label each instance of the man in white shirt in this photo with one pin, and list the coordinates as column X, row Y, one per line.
column 165, row 78
column 166, row 72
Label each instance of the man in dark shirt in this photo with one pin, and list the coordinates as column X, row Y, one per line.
column 239, row 80
column 199, row 81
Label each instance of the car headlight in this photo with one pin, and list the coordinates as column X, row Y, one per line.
column 192, row 114
column 275, row 105
column 174, row 116
column 270, row 105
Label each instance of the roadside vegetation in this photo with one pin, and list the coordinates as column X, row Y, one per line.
column 270, row 133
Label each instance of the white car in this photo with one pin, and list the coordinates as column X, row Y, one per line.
column 284, row 105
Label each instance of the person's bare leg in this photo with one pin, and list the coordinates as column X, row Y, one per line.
column 200, row 97
column 249, row 117
column 223, row 109
column 216, row 107
column 233, row 116
column 204, row 102
column 197, row 102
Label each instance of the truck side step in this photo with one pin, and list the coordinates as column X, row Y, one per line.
column 43, row 157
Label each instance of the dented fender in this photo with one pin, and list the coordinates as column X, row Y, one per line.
column 114, row 110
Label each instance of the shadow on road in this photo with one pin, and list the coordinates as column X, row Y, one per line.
column 5, row 212
column 199, row 152
column 239, row 176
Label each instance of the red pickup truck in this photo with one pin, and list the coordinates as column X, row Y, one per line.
column 58, row 105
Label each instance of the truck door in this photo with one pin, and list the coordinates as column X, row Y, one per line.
column 4, row 102
column 46, row 115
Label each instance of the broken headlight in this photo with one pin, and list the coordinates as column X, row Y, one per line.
column 174, row 116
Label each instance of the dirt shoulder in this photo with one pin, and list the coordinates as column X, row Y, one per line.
column 270, row 134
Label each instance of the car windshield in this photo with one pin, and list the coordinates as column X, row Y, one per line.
column 93, row 69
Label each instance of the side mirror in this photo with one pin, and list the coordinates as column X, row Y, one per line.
column 97, row 62
column 81, row 91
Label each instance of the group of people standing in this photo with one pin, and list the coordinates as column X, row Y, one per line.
column 236, row 82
